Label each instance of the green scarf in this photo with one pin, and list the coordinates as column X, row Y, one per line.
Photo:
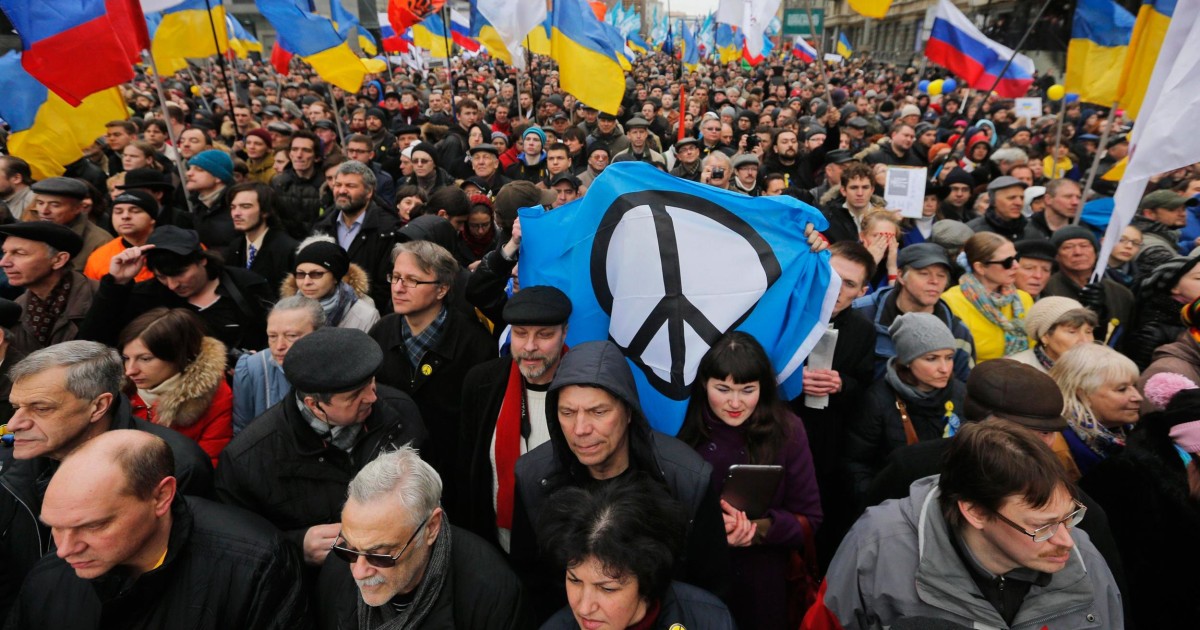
column 992, row 305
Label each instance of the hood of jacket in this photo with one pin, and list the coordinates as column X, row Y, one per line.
column 355, row 277
column 185, row 403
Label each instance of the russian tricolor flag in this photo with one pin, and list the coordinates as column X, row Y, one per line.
column 957, row 45
column 803, row 50
column 460, row 31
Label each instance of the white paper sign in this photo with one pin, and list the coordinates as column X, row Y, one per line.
column 821, row 358
column 905, row 190
column 1028, row 108
column 833, row 58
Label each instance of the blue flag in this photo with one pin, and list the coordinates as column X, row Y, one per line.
column 663, row 267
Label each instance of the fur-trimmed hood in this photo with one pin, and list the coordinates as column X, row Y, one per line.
column 193, row 394
column 355, row 277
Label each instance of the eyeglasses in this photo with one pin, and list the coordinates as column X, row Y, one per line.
column 1046, row 532
column 315, row 275
column 377, row 560
column 1007, row 263
column 409, row 283
column 422, row 161
column 1130, row 241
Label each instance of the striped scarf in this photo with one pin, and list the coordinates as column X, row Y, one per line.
column 992, row 306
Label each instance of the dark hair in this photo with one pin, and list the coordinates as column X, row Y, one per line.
column 145, row 466
column 159, row 123
column 468, row 103
column 129, row 126
column 573, row 133
column 558, row 146
column 452, row 199
column 12, row 165
column 630, row 525
column 856, row 253
column 857, row 170
column 304, row 134
column 171, row 334
column 739, row 356
column 990, row 461
column 266, row 198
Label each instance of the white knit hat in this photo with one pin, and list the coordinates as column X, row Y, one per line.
column 1045, row 313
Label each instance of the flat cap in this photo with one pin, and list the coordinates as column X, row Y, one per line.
column 744, row 159
column 606, row 116
column 567, row 178
column 62, row 186
column 484, row 148
column 538, row 306
column 324, row 124
column 951, row 234
column 60, row 237
column 1013, row 391
column 146, row 179
column 683, row 142
column 858, row 122
column 838, row 156
column 332, row 360
column 1004, row 181
column 637, row 122
column 922, row 255
column 1165, row 199
column 1037, row 249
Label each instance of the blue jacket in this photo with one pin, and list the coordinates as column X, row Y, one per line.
column 258, row 383
column 1189, row 233
column 873, row 307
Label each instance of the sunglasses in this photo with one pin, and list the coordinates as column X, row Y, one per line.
column 1007, row 263
column 377, row 560
column 315, row 275
column 421, row 161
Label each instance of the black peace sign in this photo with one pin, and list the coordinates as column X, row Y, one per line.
column 674, row 309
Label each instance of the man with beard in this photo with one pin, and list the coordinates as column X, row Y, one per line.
column 366, row 230
column 299, row 186
column 264, row 248
column 504, row 411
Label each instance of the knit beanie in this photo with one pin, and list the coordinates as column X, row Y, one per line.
column 216, row 162
column 324, row 253
column 535, row 130
column 1046, row 312
column 427, row 148
column 917, row 334
column 141, row 199
column 1071, row 232
column 261, row 134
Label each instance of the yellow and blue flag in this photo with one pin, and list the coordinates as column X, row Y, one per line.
column 843, row 46
column 538, row 39
column 314, row 39
column 47, row 132
column 241, row 42
column 183, row 30
column 347, row 25
column 691, row 50
column 1149, row 30
column 637, row 44
column 483, row 31
column 588, row 67
column 1100, row 36
column 432, row 35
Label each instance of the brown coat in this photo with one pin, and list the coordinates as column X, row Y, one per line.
column 1181, row 356
column 79, row 300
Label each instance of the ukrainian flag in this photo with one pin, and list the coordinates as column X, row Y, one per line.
column 183, row 30
column 728, row 48
column 46, row 131
column 691, row 51
column 482, row 30
column 538, row 40
column 843, row 46
column 431, row 34
column 1148, row 33
column 314, row 39
column 241, row 42
column 346, row 24
column 637, row 44
column 587, row 64
column 1099, row 43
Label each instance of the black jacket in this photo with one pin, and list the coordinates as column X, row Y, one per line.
column 24, row 539
column 842, row 226
column 238, row 319
column 371, row 249
column 480, row 592
column 298, row 200
column 1017, row 229
column 552, row 466
column 273, row 261
column 482, row 394
column 438, row 389
column 224, row 568
column 280, row 468
column 684, row 606
column 213, row 223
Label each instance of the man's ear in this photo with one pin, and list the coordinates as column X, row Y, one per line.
column 974, row 514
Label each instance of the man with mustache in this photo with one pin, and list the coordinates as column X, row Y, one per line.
column 504, row 411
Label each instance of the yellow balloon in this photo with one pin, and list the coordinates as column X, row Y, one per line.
column 195, row 90
column 1056, row 92
column 935, row 87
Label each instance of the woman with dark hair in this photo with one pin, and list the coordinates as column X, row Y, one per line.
column 323, row 272
column 410, row 203
column 618, row 544
column 478, row 234
column 178, row 376
column 736, row 416
column 1151, row 493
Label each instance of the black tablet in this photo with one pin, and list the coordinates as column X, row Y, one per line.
column 750, row 488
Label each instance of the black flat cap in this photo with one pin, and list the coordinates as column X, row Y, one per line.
column 922, row 255
column 484, row 148
column 60, row 237
column 606, row 116
column 683, row 142
column 838, row 156
column 1013, row 391
column 147, row 179
column 61, row 186
column 174, row 239
column 332, row 360
column 536, row 306
column 324, row 124
column 1037, row 249
column 404, row 130
column 566, row 177
column 10, row 314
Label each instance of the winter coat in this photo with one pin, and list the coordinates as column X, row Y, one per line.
column 200, row 405
column 298, row 199
column 213, row 223
column 67, row 327
column 275, row 258
column 684, row 606
column 1181, row 356
column 899, row 561
column 482, row 394
column 880, row 308
column 1118, row 301
column 371, row 249
column 24, row 538
column 280, row 468
column 480, row 591
column 988, row 337
column 552, row 466
column 1159, row 243
column 99, row 261
column 224, row 568
column 94, row 237
column 435, row 385
column 258, row 384
column 1017, row 229
column 362, row 315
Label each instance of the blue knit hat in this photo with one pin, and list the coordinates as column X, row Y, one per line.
column 535, row 130
column 216, row 162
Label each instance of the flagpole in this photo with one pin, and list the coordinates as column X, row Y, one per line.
column 200, row 90
column 444, row 14
column 1091, row 179
column 1032, row 24
column 1062, row 115
column 162, row 103
column 820, row 47
column 224, row 63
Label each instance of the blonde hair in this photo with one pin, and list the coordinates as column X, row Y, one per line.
column 875, row 216
column 1083, row 370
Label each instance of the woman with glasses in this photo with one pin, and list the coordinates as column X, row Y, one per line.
column 1057, row 324
column 986, row 299
column 324, row 273
column 427, row 175
column 1101, row 401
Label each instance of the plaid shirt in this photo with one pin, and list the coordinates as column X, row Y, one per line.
column 418, row 345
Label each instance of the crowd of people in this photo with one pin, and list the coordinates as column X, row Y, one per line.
column 267, row 364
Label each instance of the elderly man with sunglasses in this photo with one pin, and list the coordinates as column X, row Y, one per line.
column 398, row 563
column 293, row 463
column 990, row 542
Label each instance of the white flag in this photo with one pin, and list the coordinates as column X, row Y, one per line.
column 756, row 16
column 1172, row 104
column 513, row 19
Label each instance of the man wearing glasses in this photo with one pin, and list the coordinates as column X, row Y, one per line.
column 398, row 563
column 991, row 542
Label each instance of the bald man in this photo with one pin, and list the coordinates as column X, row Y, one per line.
column 132, row 553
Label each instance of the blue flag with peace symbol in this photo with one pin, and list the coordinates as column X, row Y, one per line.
column 664, row 266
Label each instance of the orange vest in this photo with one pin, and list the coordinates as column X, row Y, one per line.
column 97, row 263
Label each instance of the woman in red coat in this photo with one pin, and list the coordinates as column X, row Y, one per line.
column 179, row 376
